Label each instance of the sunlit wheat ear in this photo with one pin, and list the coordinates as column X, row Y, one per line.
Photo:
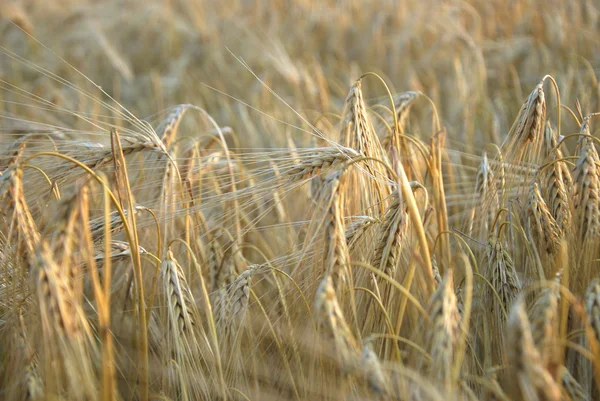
column 97, row 226
column 373, row 371
column 106, row 157
column 15, row 13
column 66, row 348
column 120, row 250
column 529, row 379
column 403, row 102
column 502, row 276
column 337, row 257
column 586, row 184
column 34, row 384
column 183, row 331
column 230, row 305
column 215, row 260
column 571, row 389
column 331, row 319
column 167, row 130
column 542, row 226
column 557, row 196
column 356, row 229
column 552, row 151
column 437, row 277
column 31, row 385
column 558, row 182
column 486, row 202
column 358, row 133
column 524, row 140
column 318, row 161
column 442, row 333
column 391, row 236
column 12, row 200
column 592, row 306
column 227, row 271
column 54, row 294
column 15, row 151
column 544, row 322
column 178, row 297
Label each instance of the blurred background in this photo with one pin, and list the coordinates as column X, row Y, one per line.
column 477, row 60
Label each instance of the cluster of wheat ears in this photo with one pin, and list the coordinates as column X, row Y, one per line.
column 175, row 258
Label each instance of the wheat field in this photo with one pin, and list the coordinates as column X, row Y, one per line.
column 299, row 200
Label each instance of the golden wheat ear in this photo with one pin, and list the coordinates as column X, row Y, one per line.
column 442, row 333
column 499, row 292
column 543, row 229
column 586, row 182
column 529, row 379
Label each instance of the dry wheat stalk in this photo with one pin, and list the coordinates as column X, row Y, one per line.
column 529, row 379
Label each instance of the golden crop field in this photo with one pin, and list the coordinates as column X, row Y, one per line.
column 299, row 200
